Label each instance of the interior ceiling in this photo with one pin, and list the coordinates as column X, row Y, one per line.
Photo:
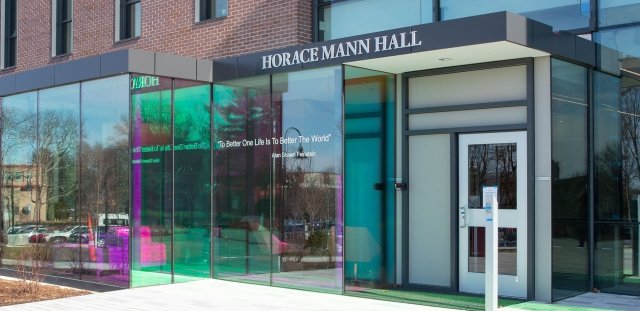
column 471, row 54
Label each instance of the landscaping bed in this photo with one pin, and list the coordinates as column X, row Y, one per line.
column 14, row 291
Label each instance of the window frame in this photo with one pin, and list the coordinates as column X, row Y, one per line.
column 204, row 8
column 60, row 39
column 126, row 21
column 8, row 41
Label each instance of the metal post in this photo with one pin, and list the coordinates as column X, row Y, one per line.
column 490, row 199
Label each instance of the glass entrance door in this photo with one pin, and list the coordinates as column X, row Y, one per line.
column 493, row 159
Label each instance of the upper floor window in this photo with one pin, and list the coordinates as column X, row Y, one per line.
column 63, row 30
column 128, row 19
column 9, row 33
column 355, row 17
column 210, row 9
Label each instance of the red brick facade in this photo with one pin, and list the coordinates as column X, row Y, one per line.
column 168, row 26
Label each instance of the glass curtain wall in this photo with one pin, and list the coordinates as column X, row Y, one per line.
column 152, row 180
column 369, row 184
column 171, row 180
column 243, row 181
column 104, row 180
column 308, row 214
column 51, row 218
column 20, row 183
column 56, row 162
column 355, row 17
column 569, row 147
column 192, row 179
column 278, row 180
column 616, row 252
column 339, row 19
column 561, row 14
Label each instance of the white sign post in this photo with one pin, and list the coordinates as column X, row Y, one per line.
column 490, row 201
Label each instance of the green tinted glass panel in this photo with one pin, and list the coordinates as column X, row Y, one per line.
column 192, row 179
column 242, row 181
column 151, row 170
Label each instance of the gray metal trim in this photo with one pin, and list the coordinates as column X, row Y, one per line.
column 132, row 232
column 140, row 61
column 204, row 70
column 2, row 25
column 173, row 182
column 82, row 69
column 35, row 79
column 504, row 104
column 175, row 66
column 107, row 65
column 531, row 173
column 465, row 68
column 363, row 135
column 405, row 176
column 471, row 129
column 363, row 115
column 454, row 229
column 591, row 179
column 7, row 84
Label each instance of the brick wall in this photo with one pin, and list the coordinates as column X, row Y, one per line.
column 167, row 26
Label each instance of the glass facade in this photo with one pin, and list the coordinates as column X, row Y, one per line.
column 569, row 180
column 289, row 180
column 192, row 179
column 64, row 174
column 350, row 18
column 561, row 14
column 339, row 19
column 309, row 201
column 612, row 23
column 243, row 182
column 171, row 180
column 277, row 179
column 104, row 177
column 616, row 242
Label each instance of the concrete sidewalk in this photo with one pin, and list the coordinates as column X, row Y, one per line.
column 215, row 295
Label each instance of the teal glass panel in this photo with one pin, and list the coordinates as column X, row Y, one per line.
column 20, row 183
column 192, row 179
column 569, row 197
column 560, row 14
column 104, row 180
column 242, row 181
column 307, row 167
column 356, row 17
column 364, row 125
column 369, row 183
column 57, row 192
column 151, row 180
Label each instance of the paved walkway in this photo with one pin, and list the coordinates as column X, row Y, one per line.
column 215, row 295
column 604, row 301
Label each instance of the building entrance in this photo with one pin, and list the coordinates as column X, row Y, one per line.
column 493, row 159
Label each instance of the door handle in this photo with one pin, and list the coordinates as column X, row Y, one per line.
column 463, row 216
